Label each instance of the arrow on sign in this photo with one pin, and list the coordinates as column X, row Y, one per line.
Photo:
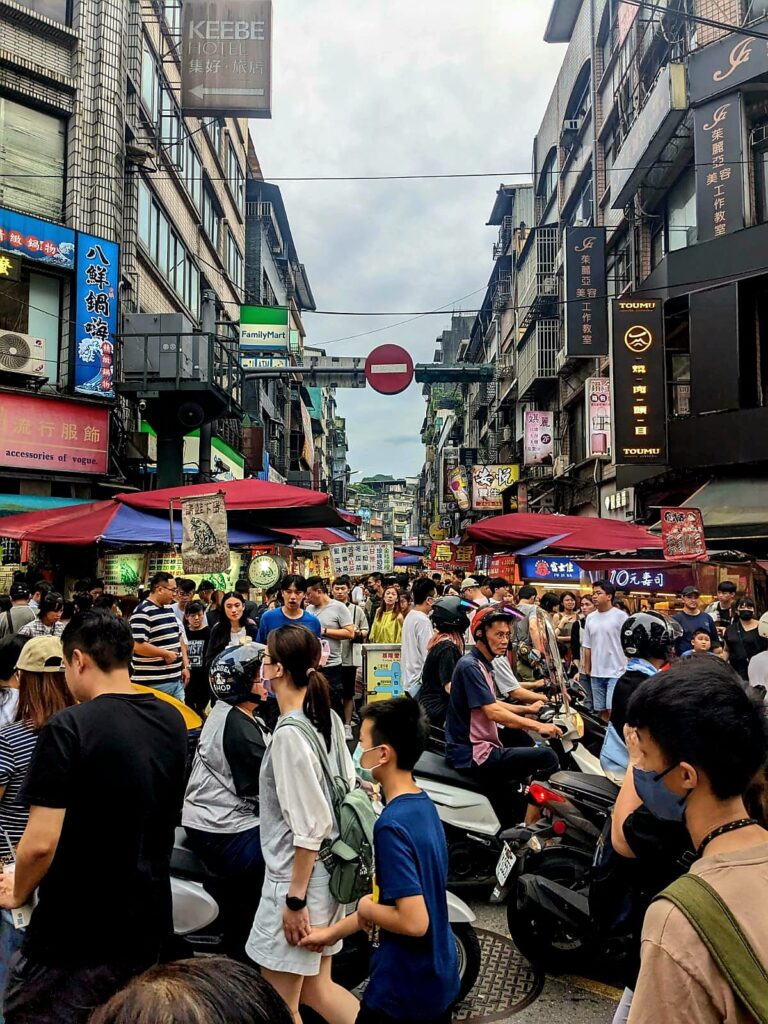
column 204, row 90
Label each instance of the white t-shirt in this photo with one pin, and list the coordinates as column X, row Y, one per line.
column 417, row 632
column 602, row 636
column 358, row 595
column 757, row 671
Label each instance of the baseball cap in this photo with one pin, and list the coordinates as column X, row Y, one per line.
column 42, row 654
column 469, row 582
column 687, row 591
column 18, row 591
column 727, row 587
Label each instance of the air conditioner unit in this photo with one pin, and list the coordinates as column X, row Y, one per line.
column 22, row 355
column 573, row 124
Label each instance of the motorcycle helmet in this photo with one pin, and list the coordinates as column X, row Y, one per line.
column 449, row 615
column 762, row 626
column 649, row 635
column 235, row 671
column 493, row 613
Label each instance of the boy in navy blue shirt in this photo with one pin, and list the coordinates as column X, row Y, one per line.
column 414, row 972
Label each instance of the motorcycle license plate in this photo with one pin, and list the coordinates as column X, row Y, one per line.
column 507, row 861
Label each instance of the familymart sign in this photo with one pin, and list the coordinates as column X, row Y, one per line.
column 264, row 329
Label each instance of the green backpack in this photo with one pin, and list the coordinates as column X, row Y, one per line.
column 728, row 946
column 349, row 858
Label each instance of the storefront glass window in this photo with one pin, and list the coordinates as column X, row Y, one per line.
column 681, row 212
column 56, row 10
column 31, row 160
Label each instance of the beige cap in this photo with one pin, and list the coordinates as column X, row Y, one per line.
column 42, row 654
column 468, row 583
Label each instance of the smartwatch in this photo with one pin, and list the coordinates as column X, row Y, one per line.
column 295, row 903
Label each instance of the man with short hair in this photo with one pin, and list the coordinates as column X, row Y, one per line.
column 501, row 591
column 692, row 618
column 160, row 650
column 185, row 591
column 525, row 631
column 40, row 588
column 417, row 632
column 375, row 588
column 105, row 788
column 697, row 742
column 335, row 625
column 351, row 650
column 723, row 610
column 292, row 589
column 96, row 588
column 471, row 591
column 603, row 657
column 205, row 593
column 20, row 613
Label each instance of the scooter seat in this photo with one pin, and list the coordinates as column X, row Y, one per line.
column 433, row 766
column 185, row 862
column 594, row 787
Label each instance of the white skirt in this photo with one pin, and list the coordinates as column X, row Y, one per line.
column 267, row 945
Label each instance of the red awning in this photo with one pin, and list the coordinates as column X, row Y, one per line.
column 74, row 524
column 573, row 533
column 324, row 536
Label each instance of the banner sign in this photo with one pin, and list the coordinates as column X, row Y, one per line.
column 638, row 381
column 458, row 487
column 322, row 564
column 725, row 65
column 263, row 329
column 488, row 482
column 98, row 281
column 359, row 559
column 450, row 461
column 454, row 556
column 68, row 437
column 504, row 567
column 597, row 395
column 226, row 58
column 682, row 535
column 204, row 544
column 382, row 671
column 36, row 239
column 538, row 567
column 539, row 437
column 718, row 145
column 632, row 578
column 586, row 292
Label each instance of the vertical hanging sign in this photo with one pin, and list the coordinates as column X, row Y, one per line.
column 586, row 299
column 718, row 133
column 638, row 381
column 96, row 316
column 597, row 394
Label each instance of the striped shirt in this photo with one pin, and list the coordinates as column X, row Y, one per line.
column 17, row 744
column 155, row 624
column 37, row 628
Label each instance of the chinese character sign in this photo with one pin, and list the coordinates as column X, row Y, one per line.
column 718, row 129
column 597, row 394
column 682, row 535
column 455, row 556
column 586, row 300
column 539, row 437
column 382, row 671
column 204, row 545
column 96, row 316
column 59, row 436
column 488, row 482
column 638, row 381
column 545, row 568
column 36, row 239
column 359, row 559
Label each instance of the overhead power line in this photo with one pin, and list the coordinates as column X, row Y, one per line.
column 699, row 19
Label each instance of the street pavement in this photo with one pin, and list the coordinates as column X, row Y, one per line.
column 563, row 1000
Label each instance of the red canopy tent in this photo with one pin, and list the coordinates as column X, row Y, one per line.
column 568, row 533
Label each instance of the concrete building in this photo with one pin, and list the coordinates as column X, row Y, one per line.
column 385, row 504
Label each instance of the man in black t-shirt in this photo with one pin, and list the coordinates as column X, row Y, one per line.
column 104, row 788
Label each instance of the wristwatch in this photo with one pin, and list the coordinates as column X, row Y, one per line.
column 295, row 903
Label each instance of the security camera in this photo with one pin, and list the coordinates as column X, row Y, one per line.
column 142, row 406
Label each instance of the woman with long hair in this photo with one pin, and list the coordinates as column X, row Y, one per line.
column 742, row 637
column 387, row 627
column 232, row 629
column 564, row 620
column 42, row 692
column 10, row 649
column 296, row 813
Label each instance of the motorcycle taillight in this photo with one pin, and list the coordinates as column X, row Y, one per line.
column 559, row 827
column 541, row 795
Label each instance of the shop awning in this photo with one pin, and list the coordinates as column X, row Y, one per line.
column 733, row 509
column 326, row 537
column 12, row 504
column 563, row 533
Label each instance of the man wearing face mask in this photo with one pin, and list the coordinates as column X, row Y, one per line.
column 696, row 743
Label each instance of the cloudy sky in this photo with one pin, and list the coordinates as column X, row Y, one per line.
column 399, row 87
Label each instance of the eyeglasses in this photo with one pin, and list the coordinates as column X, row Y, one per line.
column 171, row 590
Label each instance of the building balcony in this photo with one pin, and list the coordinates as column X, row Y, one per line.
column 536, row 359
column 538, row 286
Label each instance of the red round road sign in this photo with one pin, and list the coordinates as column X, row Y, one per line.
column 389, row 369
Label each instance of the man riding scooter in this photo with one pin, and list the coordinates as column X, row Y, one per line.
column 475, row 718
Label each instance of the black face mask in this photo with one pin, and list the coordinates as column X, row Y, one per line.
column 746, row 614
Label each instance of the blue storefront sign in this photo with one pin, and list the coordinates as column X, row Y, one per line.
column 540, row 567
column 36, row 239
column 97, row 279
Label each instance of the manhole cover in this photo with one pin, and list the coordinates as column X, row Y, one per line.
column 507, row 983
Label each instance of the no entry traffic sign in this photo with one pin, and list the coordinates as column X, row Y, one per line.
column 389, row 369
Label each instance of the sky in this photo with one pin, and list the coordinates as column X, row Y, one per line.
column 399, row 87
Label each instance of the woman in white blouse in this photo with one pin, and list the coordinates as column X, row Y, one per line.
column 296, row 818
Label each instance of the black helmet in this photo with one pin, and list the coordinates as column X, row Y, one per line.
column 649, row 635
column 449, row 615
column 234, row 672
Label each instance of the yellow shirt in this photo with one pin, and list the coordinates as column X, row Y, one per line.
column 386, row 630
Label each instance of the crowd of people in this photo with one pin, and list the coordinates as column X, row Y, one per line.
column 95, row 777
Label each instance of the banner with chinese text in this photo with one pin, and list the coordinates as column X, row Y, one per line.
column 43, row 433
column 204, row 545
column 454, row 556
column 597, row 395
column 539, row 437
column 359, row 559
column 488, row 482
column 682, row 535
column 98, row 281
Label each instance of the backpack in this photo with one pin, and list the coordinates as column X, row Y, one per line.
column 728, row 946
column 349, row 858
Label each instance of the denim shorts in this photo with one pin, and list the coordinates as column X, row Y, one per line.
column 602, row 691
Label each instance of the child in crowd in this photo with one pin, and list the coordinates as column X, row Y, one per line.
column 414, row 973
column 701, row 643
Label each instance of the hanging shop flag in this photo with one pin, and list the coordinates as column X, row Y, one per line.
column 96, row 315
column 539, row 437
column 488, row 484
column 682, row 535
column 718, row 131
column 637, row 379
column 597, row 394
column 360, row 559
column 586, row 299
column 204, row 545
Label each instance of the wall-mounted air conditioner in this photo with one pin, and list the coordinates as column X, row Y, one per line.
column 22, row 355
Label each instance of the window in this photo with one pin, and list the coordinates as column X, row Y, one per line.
column 234, row 261
column 211, row 221
column 149, row 81
column 268, row 297
column 31, row 160
column 167, row 251
column 681, row 212
column 658, row 250
column 548, row 180
column 759, row 140
column 56, row 10
column 618, row 263
column 172, row 15
column 213, row 131
column 235, row 178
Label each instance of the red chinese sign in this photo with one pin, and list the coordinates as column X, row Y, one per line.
column 505, row 566
column 457, row 556
column 682, row 535
column 41, row 433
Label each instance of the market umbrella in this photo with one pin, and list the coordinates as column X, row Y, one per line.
column 563, row 533
column 267, row 504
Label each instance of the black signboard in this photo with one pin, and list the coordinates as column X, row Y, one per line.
column 586, row 301
column 638, row 381
column 718, row 132
column 725, row 65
